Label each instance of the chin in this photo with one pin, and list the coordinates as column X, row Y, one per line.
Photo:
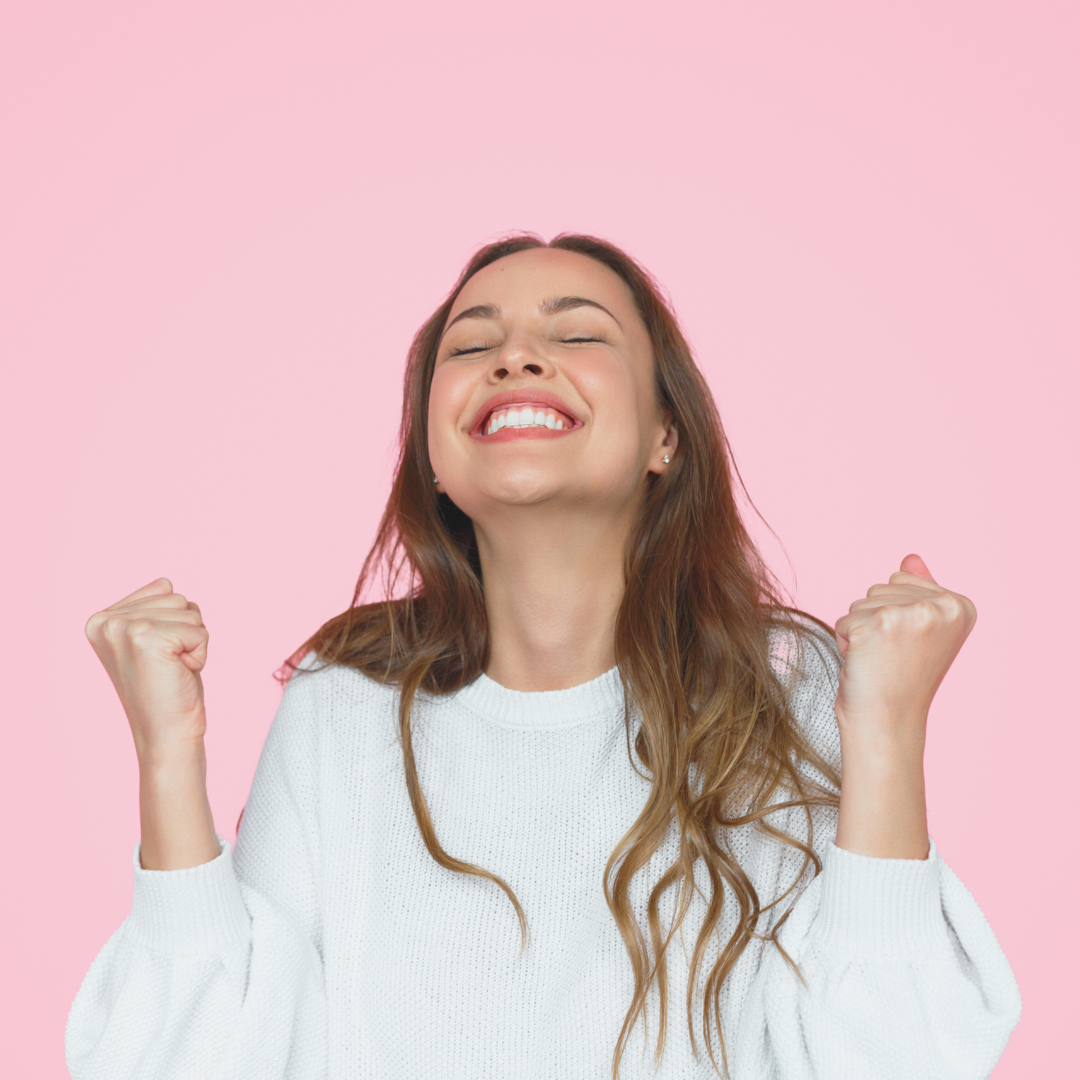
column 520, row 492
column 519, row 488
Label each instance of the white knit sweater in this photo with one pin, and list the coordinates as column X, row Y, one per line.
column 331, row 945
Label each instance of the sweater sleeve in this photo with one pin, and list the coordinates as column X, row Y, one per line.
column 903, row 975
column 217, row 972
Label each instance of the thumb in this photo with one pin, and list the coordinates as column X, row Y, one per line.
column 913, row 564
column 185, row 643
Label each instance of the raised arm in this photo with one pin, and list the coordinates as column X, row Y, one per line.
column 209, row 975
column 153, row 644
column 901, row 975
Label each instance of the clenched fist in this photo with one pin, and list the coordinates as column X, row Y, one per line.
column 897, row 645
column 153, row 645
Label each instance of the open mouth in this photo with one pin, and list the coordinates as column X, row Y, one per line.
column 527, row 416
column 519, row 413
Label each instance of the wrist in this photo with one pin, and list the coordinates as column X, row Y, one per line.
column 179, row 757
column 887, row 744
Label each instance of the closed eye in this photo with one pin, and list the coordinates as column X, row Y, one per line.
column 470, row 349
column 484, row 348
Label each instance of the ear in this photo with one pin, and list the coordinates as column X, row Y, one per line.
column 668, row 443
column 671, row 436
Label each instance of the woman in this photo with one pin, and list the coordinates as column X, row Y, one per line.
column 567, row 803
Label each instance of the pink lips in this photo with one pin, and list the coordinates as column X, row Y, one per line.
column 521, row 397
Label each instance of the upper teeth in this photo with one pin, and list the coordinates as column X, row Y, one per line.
column 526, row 416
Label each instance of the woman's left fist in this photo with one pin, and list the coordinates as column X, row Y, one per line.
column 897, row 645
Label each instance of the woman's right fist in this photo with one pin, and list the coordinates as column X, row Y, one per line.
column 153, row 645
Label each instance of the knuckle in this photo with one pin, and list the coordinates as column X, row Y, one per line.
column 887, row 618
column 926, row 614
column 138, row 630
column 953, row 607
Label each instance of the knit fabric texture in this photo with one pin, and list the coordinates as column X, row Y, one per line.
column 330, row 945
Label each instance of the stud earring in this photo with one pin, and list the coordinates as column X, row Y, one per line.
column 434, row 479
column 666, row 459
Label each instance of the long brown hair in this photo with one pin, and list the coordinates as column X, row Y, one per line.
column 692, row 644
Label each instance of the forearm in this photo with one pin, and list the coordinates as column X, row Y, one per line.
column 882, row 799
column 174, row 810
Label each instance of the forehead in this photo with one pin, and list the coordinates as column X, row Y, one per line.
column 526, row 278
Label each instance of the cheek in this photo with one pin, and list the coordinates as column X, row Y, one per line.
column 447, row 398
column 624, row 404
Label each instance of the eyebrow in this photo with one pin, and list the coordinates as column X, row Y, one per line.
column 552, row 306
column 555, row 304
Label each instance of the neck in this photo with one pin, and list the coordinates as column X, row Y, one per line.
column 553, row 582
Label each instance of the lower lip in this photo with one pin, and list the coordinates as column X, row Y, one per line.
column 508, row 434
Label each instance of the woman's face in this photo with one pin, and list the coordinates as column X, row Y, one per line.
column 543, row 389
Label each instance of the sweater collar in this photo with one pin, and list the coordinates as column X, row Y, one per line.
column 544, row 709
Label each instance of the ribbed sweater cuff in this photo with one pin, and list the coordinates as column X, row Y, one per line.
column 880, row 907
column 192, row 912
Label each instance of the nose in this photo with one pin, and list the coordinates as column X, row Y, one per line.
column 516, row 358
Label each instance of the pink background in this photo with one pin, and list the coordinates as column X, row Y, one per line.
column 221, row 225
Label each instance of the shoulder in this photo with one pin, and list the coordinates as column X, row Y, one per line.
column 807, row 662
column 320, row 695
column 315, row 678
column 804, row 655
